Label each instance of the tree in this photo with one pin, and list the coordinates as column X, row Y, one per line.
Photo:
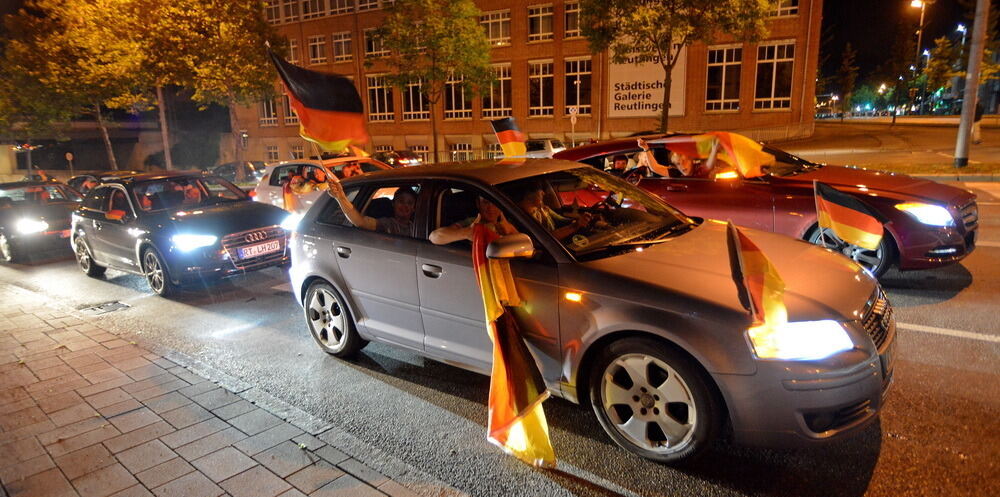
column 941, row 65
column 847, row 75
column 864, row 97
column 659, row 30
column 446, row 44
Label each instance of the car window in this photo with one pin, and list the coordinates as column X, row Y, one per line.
column 282, row 173
column 333, row 214
column 118, row 202
column 95, row 199
column 534, row 145
column 393, row 207
column 185, row 193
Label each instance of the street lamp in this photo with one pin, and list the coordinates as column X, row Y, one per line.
column 922, row 5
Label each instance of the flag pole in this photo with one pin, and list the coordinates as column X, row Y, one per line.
column 822, row 237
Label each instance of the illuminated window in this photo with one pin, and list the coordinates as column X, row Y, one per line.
column 578, row 85
column 383, row 148
column 298, row 152
column 723, row 85
column 423, row 152
column 540, row 86
column 493, row 151
column 539, row 22
column 267, row 115
column 271, row 151
column 317, row 49
column 497, row 102
column 415, row 104
column 572, row 18
column 379, row 99
column 462, row 151
column 342, row 50
column 497, row 26
column 774, row 76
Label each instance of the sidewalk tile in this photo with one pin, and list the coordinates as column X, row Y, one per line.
column 103, row 386
column 215, row 398
column 131, row 363
column 347, row 486
column 104, row 481
column 24, row 417
column 164, row 363
column 312, row 477
column 44, row 363
column 68, row 431
column 285, row 458
column 332, row 455
column 55, row 403
column 235, row 409
column 268, row 438
column 17, row 378
column 356, row 468
column 20, row 451
column 78, row 463
column 185, row 416
column 105, row 399
column 165, row 472
column 185, row 375
column 142, row 435
column 210, row 444
column 394, row 489
column 311, row 442
column 72, row 414
column 255, row 422
column 149, row 383
column 167, row 402
column 49, row 483
column 158, row 390
column 105, row 375
column 114, row 344
column 145, row 372
column 292, row 492
column 134, row 491
column 92, row 367
column 255, row 482
column 194, row 432
column 82, row 440
column 145, row 456
column 134, row 420
column 223, row 464
column 119, row 408
column 79, row 359
column 197, row 388
column 27, row 468
column 193, row 484
column 54, row 372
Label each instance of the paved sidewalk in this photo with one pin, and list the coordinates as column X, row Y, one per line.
column 84, row 412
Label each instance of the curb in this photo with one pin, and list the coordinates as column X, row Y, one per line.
column 967, row 178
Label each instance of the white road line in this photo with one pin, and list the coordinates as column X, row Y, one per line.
column 988, row 203
column 949, row 332
column 942, row 154
column 988, row 244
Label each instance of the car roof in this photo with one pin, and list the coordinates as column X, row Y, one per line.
column 20, row 184
column 155, row 176
column 487, row 171
column 325, row 162
column 605, row 147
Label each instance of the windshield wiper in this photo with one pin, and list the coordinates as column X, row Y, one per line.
column 660, row 236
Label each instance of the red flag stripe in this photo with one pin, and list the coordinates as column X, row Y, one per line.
column 330, row 126
column 850, row 217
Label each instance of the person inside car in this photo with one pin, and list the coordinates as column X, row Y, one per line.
column 531, row 199
column 352, row 168
column 404, row 203
column 489, row 214
column 87, row 185
column 688, row 167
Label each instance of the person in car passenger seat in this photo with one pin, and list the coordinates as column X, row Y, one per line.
column 489, row 214
column 404, row 202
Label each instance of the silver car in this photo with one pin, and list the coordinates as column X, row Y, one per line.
column 631, row 309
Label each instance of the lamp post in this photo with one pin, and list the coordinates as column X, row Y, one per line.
column 922, row 5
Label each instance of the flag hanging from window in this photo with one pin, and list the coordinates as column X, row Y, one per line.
column 329, row 108
column 511, row 138
column 516, row 420
column 760, row 288
column 848, row 217
column 740, row 152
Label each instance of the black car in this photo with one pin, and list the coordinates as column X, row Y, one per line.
column 34, row 215
column 176, row 228
column 84, row 182
column 249, row 172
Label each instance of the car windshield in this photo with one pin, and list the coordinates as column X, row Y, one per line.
column 354, row 168
column 594, row 214
column 185, row 193
column 36, row 195
column 786, row 164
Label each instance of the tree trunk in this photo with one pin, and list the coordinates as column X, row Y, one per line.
column 434, row 131
column 104, row 135
column 667, row 82
column 164, row 133
column 234, row 127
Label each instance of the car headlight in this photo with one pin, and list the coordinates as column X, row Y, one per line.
column 187, row 243
column 291, row 222
column 29, row 226
column 933, row 215
column 802, row 340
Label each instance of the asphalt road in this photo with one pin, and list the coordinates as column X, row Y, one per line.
column 938, row 435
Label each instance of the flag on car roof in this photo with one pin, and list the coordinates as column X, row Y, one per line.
column 760, row 288
column 848, row 217
column 511, row 138
column 516, row 420
column 329, row 108
column 746, row 155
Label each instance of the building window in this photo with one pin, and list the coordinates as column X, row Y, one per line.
column 415, row 105
column 290, row 116
column 540, row 84
column 423, row 152
column 383, row 148
column 578, row 85
column 374, row 46
column 379, row 99
column 266, row 114
column 539, row 22
column 271, row 151
column 493, row 151
column 342, row 50
column 572, row 18
column 317, row 49
column 272, row 11
column 290, row 10
column 497, row 26
column 723, row 86
column 367, row 5
column 298, row 152
column 497, row 103
column 293, row 50
column 341, row 6
column 312, row 9
column 457, row 105
column 462, row 151
column 774, row 76
column 786, row 8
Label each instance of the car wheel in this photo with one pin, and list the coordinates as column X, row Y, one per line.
column 156, row 274
column 653, row 401
column 85, row 260
column 875, row 261
column 330, row 321
column 8, row 253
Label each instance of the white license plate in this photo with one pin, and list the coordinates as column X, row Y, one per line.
column 259, row 249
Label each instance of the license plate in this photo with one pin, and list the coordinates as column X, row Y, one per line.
column 259, row 249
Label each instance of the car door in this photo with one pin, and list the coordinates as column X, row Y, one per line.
column 451, row 303
column 380, row 271
column 88, row 217
column 746, row 202
column 273, row 190
column 117, row 242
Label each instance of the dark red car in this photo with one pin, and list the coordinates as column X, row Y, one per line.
column 930, row 224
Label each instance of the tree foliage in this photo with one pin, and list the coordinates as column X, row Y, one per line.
column 659, row 29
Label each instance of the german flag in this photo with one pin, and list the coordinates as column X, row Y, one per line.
column 848, row 217
column 516, row 420
column 746, row 155
column 761, row 290
column 510, row 137
column 330, row 111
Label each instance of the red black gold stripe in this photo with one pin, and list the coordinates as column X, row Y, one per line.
column 761, row 290
column 848, row 217
column 511, row 138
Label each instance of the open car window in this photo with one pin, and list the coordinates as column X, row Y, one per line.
column 37, row 195
column 185, row 193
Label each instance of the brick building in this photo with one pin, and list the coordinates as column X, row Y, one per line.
column 545, row 69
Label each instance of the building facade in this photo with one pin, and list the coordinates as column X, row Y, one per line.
column 546, row 74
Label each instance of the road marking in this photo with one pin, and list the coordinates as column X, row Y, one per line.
column 988, row 203
column 949, row 332
column 942, row 154
column 988, row 244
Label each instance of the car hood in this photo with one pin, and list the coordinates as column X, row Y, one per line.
column 819, row 284
column 843, row 176
column 223, row 219
column 56, row 214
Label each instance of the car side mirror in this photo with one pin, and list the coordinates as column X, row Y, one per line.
column 516, row 246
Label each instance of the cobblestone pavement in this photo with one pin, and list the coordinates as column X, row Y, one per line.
column 84, row 412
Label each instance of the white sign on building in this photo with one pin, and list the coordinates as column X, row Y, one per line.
column 636, row 87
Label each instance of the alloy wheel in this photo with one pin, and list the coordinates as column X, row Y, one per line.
column 6, row 254
column 327, row 319
column 153, row 271
column 869, row 259
column 83, row 256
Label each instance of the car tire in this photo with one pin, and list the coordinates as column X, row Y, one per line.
column 330, row 322
column 8, row 252
column 876, row 262
column 85, row 259
column 156, row 274
column 641, row 388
